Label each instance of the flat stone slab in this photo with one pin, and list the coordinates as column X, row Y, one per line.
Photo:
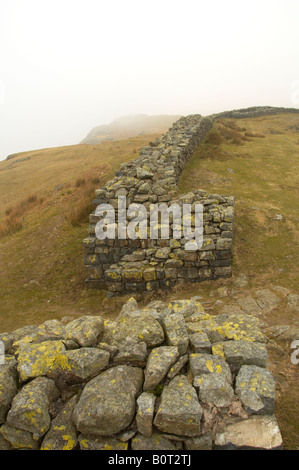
column 180, row 410
column 256, row 432
column 249, row 305
column 266, row 300
column 238, row 353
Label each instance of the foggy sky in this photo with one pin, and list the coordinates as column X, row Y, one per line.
column 67, row 66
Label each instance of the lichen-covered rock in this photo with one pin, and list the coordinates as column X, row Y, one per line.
column 155, row 442
column 179, row 412
column 18, row 438
column 50, row 330
column 89, row 442
column 202, row 363
column 240, row 327
column 256, row 432
column 214, row 388
column 4, row 444
column 7, row 340
column 200, row 343
column 36, row 359
column 107, row 404
column 141, row 329
column 176, row 332
column 8, row 386
column 132, row 352
column 86, row 330
column 238, row 353
column 145, row 413
column 62, row 434
column 30, row 407
column 186, row 307
column 176, row 368
column 256, row 389
column 158, row 364
column 86, row 362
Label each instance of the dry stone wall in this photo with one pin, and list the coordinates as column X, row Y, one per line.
column 168, row 376
column 145, row 264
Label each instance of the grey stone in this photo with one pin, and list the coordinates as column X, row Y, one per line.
column 256, row 389
column 204, row 442
column 62, row 434
column 256, row 432
column 156, row 442
column 266, row 299
column 145, row 413
column 107, row 403
column 8, row 386
column 202, row 363
column 179, row 410
column 214, row 388
column 238, row 353
column 30, row 407
column 159, row 362
column 199, row 342
column 86, row 330
column 176, row 368
column 249, row 305
column 176, row 332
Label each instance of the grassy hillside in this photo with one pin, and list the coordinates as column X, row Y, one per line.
column 257, row 161
column 46, row 198
column 45, row 202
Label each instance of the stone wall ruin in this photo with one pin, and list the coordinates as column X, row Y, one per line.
column 144, row 264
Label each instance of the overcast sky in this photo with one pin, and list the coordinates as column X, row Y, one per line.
column 69, row 65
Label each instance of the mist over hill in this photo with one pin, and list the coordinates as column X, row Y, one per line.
column 129, row 126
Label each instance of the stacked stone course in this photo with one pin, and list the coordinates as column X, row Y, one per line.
column 144, row 264
column 169, row 376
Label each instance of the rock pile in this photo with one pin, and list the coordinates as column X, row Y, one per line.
column 165, row 377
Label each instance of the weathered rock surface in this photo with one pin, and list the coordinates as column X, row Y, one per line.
column 256, row 432
column 179, row 412
column 30, row 407
column 159, row 362
column 107, row 403
column 62, row 434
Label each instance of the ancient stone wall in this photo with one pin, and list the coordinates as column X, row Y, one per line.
column 145, row 264
column 169, row 376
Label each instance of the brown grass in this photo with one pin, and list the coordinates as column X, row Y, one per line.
column 16, row 214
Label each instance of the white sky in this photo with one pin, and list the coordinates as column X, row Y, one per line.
column 67, row 66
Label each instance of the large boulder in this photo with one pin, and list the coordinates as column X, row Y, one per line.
column 107, row 404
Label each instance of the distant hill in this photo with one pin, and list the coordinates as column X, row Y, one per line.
column 128, row 126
